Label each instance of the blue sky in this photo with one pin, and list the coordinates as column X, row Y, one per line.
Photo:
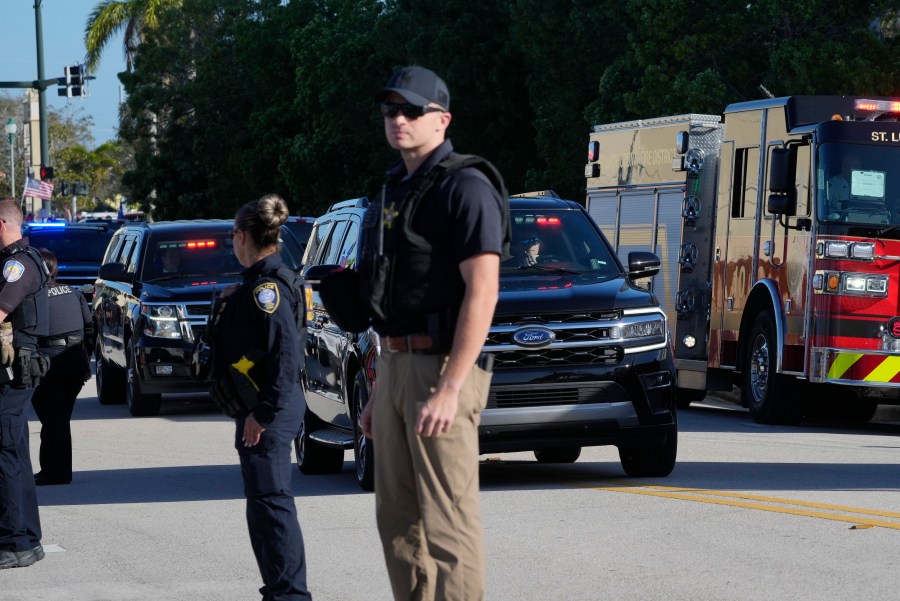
column 63, row 28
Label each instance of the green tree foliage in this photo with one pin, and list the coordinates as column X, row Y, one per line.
column 231, row 99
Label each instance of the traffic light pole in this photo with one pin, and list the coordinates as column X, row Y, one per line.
column 42, row 90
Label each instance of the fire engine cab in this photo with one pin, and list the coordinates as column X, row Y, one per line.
column 778, row 228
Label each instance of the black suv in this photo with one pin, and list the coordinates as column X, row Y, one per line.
column 582, row 355
column 79, row 248
column 152, row 301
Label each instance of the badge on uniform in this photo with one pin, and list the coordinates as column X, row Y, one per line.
column 12, row 271
column 267, row 297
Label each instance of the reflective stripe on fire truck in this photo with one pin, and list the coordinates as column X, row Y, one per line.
column 867, row 368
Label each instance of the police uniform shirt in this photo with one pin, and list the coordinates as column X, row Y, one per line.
column 461, row 216
column 258, row 315
column 19, row 277
column 68, row 311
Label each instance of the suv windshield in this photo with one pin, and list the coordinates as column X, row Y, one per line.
column 205, row 254
column 557, row 240
column 210, row 253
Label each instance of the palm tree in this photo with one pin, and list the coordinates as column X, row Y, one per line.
column 111, row 16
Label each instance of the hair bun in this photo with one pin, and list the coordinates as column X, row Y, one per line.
column 272, row 210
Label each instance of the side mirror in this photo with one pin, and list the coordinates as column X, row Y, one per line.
column 115, row 272
column 781, row 170
column 642, row 264
column 782, row 204
column 320, row 272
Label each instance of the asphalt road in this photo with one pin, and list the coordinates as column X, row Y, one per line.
column 155, row 512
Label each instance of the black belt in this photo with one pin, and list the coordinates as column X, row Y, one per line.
column 406, row 344
column 63, row 341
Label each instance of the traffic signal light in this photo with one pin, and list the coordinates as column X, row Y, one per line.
column 46, row 173
column 64, row 188
column 73, row 82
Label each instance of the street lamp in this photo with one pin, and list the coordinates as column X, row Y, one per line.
column 11, row 130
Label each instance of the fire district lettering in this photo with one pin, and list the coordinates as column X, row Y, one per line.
column 885, row 136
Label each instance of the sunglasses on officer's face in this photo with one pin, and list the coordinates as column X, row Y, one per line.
column 410, row 111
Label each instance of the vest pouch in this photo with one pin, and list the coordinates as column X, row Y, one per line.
column 375, row 288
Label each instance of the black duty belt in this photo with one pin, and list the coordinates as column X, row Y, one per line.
column 62, row 341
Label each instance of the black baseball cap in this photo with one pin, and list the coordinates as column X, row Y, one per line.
column 417, row 85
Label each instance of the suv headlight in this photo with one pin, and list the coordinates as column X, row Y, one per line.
column 640, row 329
column 162, row 321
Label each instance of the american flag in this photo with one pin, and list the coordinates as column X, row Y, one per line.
column 38, row 188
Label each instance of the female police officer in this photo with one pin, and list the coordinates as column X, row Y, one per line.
column 54, row 398
column 256, row 367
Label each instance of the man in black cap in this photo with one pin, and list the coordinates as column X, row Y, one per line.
column 431, row 248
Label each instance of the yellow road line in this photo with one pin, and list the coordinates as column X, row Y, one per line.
column 770, row 504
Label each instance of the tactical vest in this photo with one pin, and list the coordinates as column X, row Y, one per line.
column 293, row 281
column 30, row 320
column 398, row 271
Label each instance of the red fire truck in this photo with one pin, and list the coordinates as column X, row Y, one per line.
column 778, row 228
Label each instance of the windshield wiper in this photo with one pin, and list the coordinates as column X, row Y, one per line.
column 173, row 276
column 550, row 269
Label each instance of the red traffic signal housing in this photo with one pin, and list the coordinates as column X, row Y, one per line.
column 46, row 173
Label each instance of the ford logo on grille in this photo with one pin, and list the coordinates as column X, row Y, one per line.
column 533, row 337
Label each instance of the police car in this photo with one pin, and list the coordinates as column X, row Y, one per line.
column 78, row 247
column 153, row 296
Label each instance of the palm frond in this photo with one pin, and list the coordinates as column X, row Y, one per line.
column 107, row 18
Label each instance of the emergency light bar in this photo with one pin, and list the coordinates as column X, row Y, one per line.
column 192, row 245
column 885, row 106
column 547, row 221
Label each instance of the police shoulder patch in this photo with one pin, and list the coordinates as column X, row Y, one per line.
column 266, row 296
column 12, row 271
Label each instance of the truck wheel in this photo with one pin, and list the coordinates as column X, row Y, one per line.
column 140, row 404
column 563, row 455
column 651, row 461
column 685, row 396
column 764, row 391
column 110, row 384
column 363, row 451
column 314, row 458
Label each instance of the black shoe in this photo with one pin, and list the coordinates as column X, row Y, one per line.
column 41, row 480
column 38, row 552
column 17, row 559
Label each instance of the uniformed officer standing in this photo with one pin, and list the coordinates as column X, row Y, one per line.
column 23, row 313
column 54, row 398
column 430, row 264
column 257, row 338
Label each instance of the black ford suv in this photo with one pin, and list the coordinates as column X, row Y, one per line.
column 152, row 299
column 79, row 248
column 582, row 355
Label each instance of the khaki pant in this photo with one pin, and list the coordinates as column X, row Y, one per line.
column 426, row 489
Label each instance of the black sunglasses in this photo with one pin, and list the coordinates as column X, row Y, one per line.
column 410, row 111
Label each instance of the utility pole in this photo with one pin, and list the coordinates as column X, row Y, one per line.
column 42, row 89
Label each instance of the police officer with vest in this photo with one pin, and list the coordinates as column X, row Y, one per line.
column 23, row 313
column 54, row 398
column 431, row 248
column 257, row 333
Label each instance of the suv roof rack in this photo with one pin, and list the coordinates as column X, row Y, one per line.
column 547, row 193
column 352, row 203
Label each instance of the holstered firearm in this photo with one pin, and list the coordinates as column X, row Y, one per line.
column 27, row 369
column 236, row 392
